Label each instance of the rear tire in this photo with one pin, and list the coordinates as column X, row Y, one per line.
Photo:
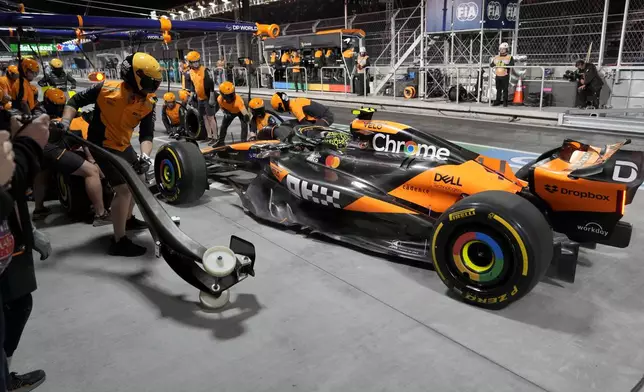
column 180, row 172
column 492, row 248
column 194, row 124
column 73, row 196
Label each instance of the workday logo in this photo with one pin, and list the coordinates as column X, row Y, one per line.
column 594, row 228
column 467, row 12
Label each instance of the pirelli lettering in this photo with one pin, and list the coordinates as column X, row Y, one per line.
column 462, row 214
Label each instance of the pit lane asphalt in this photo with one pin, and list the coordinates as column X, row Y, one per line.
column 323, row 317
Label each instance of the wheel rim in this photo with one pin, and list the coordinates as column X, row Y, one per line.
column 168, row 178
column 478, row 257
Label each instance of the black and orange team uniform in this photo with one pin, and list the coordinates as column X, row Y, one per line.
column 233, row 107
column 117, row 111
column 201, row 84
column 173, row 115
column 262, row 123
column 304, row 110
column 57, row 77
column 56, row 153
column 22, row 95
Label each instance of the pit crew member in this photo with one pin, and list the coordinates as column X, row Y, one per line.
column 57, row 77
column 56, row 155
column 200, row 83
column 172, row 115
column 119, row 107
column 233, row 107
column 261, row 119
column 304, row 110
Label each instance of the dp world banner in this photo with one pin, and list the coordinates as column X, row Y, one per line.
column 469, row 14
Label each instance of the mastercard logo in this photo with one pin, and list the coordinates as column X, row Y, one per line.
column 411, row 148
column 332, row 161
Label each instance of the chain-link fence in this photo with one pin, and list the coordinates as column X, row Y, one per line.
column 633, row 45
column 560, row 31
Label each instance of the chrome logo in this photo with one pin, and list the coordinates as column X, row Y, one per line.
column 411, row 148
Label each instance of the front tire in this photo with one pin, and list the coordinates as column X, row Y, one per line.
column 180, row 172
column 492, row 248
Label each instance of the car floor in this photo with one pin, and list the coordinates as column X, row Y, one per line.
column 319, row 316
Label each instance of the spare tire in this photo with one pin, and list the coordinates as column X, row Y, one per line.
column 194, row 124
column 180, row 172
column 492, row 248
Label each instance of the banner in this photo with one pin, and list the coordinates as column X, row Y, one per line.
column 501, row 14
column 459, row 15
column 43, row 48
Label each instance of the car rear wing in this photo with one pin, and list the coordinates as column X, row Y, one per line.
column 609, row 163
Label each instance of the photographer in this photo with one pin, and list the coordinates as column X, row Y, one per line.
column 590, row 84
column 18, row 280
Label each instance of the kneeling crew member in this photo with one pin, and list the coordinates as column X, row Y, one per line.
column 6, row 82
column 57, row 77
column 173, row 115
column 56, row 155
column 260, row 119
column 303, row 109
column 119, row 107
column 233, row 107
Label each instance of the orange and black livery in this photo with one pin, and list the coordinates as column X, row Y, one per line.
column 395, row 190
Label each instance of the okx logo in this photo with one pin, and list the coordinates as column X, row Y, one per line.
column 574, row 193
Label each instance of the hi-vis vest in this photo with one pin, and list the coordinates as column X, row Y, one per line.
column 273, row 58
column 501, row 62
column 121, row 112
column 79, row 126
column 173, row 114
column 197, row 78
column 362, row 63
column 261, row 122
column 27, row 93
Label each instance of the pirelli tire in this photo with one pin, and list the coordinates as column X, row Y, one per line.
column 72, row 195
column 492, row 248
column 195, row 128
column 180, row 172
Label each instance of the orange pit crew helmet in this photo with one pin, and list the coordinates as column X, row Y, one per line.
column 54, row 102
column 257, row 108
column 227, row 91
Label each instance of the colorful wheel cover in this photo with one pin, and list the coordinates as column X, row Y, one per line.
column 478, row 272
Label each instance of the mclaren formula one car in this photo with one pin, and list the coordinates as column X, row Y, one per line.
column 490, row 233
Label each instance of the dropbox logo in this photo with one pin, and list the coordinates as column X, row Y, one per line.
column 467, row 12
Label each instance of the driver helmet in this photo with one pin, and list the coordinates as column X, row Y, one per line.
column 194, row 59
column 257, row 107
column 337, row 139
column 227, row 91
column 279, row 102
column 504, row 47
column 56, row 66
column 142, row 73
column 54, row 102
column 12, row 72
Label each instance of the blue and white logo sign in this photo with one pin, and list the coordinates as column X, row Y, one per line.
column 494, row 10
column 511, row 12
column 467, row 12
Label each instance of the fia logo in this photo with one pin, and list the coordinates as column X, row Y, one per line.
column 625, row 171
column 511, row 12
column 494, row 10
column 467, row 12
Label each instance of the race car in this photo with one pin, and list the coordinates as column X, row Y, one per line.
column 490, row 234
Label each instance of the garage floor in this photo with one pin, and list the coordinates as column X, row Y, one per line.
column 322, row 317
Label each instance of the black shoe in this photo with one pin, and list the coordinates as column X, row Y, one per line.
column 40, row 214
column 125, row 247
column 25, row 382
column 496, row 103
column 505, row 104
column 135, row 224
